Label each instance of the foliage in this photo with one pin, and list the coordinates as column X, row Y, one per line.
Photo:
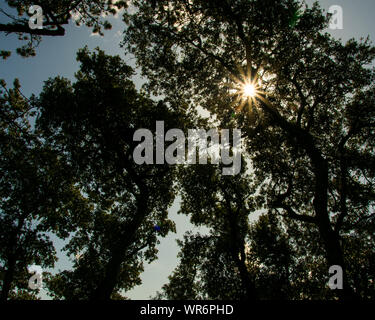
column 56, row 14
column 310, row 129
column 37, row 196
column 92, row 122
column 248, row 254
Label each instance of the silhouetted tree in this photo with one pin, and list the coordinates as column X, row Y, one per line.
column 243, row 257
column 37, row 196
column 222, row 203
column 93, row 121
column 310, row 127
column 56, row 14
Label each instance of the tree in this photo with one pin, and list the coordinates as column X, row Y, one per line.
column 37, row 196
column 239, row 259
column 224, row 205
column 56, row 14
column 213, row 266
column 309, row 126
column 286, row 260
column 93, row 122
column 205, row 271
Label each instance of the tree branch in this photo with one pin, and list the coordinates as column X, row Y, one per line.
column 294, row 215
column 22, row 28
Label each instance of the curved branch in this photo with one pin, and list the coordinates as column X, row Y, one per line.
column 22, row 28
column 294, row 215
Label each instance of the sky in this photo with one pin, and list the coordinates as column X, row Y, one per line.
column 56, row 56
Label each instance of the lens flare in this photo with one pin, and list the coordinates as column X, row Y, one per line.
column 245, row 89
column 249, row 90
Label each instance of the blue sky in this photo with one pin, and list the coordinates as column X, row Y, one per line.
column 56, row 56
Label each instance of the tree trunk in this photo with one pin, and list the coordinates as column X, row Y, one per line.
column 330, row 237
column 12, row 259
column 247, row 284
column 237, row 248
column 113, row 268
column 8, row 278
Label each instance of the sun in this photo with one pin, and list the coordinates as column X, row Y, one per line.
column 249, row 90
column 245, row 89
column 246, row 92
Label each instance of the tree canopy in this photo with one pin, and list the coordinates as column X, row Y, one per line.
column 38, row 196
column 310, row 127
column 55, row 15
column 93, row 122
column 302, row 202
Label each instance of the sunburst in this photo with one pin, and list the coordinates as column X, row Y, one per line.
column 249, row 90
column 245, row 89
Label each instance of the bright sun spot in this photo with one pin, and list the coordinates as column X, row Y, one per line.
column 249, row 90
